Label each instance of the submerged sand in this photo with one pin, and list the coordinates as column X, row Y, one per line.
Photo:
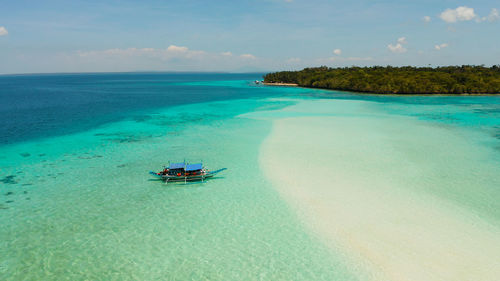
column 401, row 199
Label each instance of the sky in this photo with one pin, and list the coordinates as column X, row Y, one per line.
column 243, row 36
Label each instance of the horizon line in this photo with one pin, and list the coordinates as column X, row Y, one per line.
column 134, row 71
column 231, row 72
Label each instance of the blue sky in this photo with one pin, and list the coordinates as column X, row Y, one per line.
column 238, row 36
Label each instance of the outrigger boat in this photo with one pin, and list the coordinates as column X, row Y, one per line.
column 183, row 172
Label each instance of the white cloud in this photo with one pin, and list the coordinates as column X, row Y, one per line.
column 402, row 40
column 426, row 19
column 464, row 13
column 169, row 53
column 248, row 56
column 493, row 16
column 173, row 48
column 173, row 57
column 338, row 52
column 461, row 13
column 3, row 31
column 398, row 48
column 441, row 46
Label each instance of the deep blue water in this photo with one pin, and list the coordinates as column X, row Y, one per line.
column 37, row 106
column 45, row 105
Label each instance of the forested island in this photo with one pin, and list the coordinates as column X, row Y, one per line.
column 465, row 79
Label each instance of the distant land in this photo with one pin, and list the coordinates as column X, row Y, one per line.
column 465, row 79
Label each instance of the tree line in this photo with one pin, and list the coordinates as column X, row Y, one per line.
column 465, row 79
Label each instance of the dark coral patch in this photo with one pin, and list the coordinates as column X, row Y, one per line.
column 90, row 157
column 496, row 132
column 10, row 179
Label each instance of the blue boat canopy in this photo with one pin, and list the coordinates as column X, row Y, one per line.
column 177, row 165
column 194, row 167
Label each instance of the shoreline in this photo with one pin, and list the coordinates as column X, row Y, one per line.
column 280, row 84
column 399, row 94
column 379, row 94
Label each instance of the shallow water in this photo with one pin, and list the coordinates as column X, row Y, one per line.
column 82, row 205
column 76, row 201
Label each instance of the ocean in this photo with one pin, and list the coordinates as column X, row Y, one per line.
column 77, row 202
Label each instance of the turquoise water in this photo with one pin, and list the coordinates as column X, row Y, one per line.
column 77, row 203
column 82, row 206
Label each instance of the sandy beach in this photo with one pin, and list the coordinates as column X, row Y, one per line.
column 386, row 192
column 281, row 84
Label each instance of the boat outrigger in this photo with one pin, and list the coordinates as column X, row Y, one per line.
column 183, row 172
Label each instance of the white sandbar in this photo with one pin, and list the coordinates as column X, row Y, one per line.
column 365, row 185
